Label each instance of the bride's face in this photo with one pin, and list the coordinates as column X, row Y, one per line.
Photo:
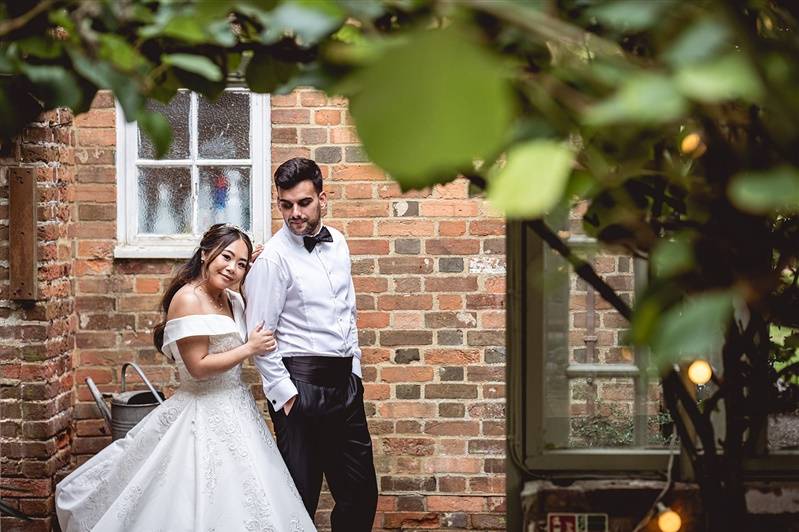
column 227, row 269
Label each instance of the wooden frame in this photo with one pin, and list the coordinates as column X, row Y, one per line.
column 22, row 234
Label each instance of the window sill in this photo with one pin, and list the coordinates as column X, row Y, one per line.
column 771, row 505
column 173, row 251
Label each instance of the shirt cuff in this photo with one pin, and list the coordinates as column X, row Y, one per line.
column 280, row 392
column 356, row 367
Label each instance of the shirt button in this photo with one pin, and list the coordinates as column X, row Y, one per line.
column 274, row 401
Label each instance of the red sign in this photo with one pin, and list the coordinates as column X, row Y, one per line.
column 563, row 522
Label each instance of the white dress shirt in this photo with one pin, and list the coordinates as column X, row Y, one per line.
column 308, row 300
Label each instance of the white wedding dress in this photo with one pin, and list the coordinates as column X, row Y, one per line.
column 202, row 461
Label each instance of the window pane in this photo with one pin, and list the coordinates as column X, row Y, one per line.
column 164, row 200
column 603, row 415
column 596, row 330
column 177, row 113
column 225, row 196
column 594, row 394
column 224, row 126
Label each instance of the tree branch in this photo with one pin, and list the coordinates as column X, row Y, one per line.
column 11, row 25
column 581, row 267
column 709, row 404
column 547, row 28
column 706, row 464
column 672, row 403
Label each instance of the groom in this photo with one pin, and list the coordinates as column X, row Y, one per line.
column 301, row 288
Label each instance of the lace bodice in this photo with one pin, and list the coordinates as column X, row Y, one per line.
column 216, row 344
column 223, row 335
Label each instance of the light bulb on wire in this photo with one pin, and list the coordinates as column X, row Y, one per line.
column 668, row 519
column 700, row 372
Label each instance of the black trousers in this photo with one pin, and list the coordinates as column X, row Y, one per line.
column 326, row 433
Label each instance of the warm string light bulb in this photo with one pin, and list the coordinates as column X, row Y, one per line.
column 700, row 372
column 668, row 519
column 693, row 145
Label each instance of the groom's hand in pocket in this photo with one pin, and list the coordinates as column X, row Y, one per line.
column 289, row 404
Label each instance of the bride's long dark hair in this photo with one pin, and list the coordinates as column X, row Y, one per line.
column 215, row 239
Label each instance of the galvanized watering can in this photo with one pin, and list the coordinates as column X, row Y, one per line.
column 127, row 408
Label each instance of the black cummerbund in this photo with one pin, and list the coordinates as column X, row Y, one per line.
column 321, row 371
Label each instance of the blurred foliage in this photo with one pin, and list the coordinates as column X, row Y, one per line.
column 676, row 122
column 615, row 428
column 785, row 361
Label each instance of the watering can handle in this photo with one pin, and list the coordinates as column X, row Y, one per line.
column 98, row 398
column 143, row 377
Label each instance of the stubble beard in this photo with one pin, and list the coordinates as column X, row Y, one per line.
column 310, row 229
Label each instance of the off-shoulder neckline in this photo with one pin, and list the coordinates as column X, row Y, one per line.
column 231, row 295
column 225, row 316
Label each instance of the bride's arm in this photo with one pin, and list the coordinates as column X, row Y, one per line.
column 194, row 352
column 194, row 349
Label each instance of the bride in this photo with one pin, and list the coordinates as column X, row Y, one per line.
column 203, row 460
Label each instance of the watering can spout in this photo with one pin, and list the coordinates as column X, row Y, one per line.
column 98, row 398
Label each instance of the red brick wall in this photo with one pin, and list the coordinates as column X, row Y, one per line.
column 429, row 274
column 37, row 337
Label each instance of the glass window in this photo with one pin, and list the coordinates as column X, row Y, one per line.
column 580, row 398
column 214, row 171
column 599, row 391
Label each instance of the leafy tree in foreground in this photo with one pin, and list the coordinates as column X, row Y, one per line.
column 676, row 121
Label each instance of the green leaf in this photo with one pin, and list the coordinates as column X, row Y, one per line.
column 768, row 191
column 116, row 50
column 103, row 76
column 141, row 14
column 349, row 34
column 156, row 126
column 196, row 64
column 694, row 328
column 266, row 74
column 533, row 180
column 431, row 105
column 362, row 10
column 672, row 257
column 728, row 78
column 56, row 86
column 60, row 18
column 7, row 65
column 308, row 20
column 643, row 99
column 194, row 23
column 645, row 319
column 40, row 47
column 698, row 43
column 220, row 32
column 631, row 15
column 165, row 90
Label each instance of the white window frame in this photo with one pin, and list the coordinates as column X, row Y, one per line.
column 131, row 245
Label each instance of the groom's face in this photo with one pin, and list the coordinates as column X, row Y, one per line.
column 301, row 207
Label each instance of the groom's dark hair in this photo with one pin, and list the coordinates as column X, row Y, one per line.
column 298, row 169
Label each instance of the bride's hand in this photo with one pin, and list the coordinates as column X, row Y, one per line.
column 256, row 251
column 261, row 340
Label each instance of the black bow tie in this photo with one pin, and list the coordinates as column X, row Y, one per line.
column 322, row 236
